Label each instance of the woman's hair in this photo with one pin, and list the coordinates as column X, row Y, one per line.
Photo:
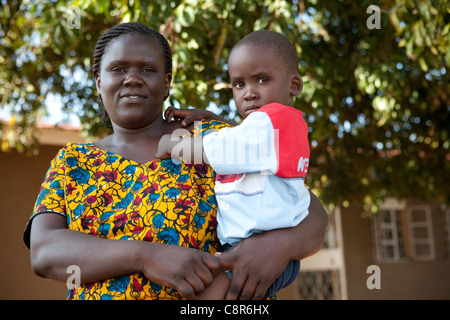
column 128, row 28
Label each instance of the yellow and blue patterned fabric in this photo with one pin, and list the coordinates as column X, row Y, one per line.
column 108, row 196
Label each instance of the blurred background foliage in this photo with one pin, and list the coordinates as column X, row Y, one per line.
column 376, row 99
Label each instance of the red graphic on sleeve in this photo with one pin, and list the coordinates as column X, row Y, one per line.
column 228, row 178
column 291, row 140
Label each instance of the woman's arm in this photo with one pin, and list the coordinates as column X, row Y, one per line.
column 248, row 261
column 307, row 238
column 54, row 248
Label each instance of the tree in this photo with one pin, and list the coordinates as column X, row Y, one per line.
column 376, row 99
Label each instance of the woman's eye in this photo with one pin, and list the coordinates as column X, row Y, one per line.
column 118, row 69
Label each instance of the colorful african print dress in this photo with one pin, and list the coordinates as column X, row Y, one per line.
column 108, row 196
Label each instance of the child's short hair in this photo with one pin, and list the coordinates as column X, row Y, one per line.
column 269, row 39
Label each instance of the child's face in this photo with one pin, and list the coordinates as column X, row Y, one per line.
column 258, row 77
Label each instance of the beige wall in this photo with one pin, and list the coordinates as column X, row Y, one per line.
column 399, row 280
column 20, row 179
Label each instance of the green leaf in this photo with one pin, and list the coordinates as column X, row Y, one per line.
column 423, row 64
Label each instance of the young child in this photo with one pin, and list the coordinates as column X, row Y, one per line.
column 260, row 164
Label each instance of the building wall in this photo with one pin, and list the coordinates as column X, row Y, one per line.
column 20, row 179
column 399, row 280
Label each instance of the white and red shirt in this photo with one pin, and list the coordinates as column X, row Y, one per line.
column 261, row 165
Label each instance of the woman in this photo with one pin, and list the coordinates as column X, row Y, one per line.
column 97, row 196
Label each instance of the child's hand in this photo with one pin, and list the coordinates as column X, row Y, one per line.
column 165, row 147
column 187, row 116
column 251, row 274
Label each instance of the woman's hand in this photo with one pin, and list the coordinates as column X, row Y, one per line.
column 187, row 270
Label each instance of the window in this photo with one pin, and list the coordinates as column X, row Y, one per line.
column 403, row 232
column 389, row 236
column 420, row 232
column 319, row 285
column 446, row 217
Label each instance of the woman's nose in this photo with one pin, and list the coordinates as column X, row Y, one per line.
column 133, row 79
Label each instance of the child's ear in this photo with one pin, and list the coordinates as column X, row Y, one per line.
column 296, row 85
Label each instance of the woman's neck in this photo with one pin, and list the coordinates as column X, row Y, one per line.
column 140, row 145
column 130, row 136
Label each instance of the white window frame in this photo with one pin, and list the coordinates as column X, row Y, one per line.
column 407, row 230
column 446, row 217
column 394, row 208
column 414, row 239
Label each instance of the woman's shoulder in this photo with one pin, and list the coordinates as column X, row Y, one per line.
column 80, row 147
column 75, row 149
column 206, row 125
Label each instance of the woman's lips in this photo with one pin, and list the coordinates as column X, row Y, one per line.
column 133, row 98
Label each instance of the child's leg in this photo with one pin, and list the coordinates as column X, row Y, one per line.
column 217, row 290
column 285, row 279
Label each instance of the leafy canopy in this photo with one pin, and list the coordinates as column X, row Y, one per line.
column 376, row 100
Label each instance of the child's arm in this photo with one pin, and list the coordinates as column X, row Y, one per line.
column 188, row 149
column 188, row 116
column 229, row 151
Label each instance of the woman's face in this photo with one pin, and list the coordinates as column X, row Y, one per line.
column 132, row 82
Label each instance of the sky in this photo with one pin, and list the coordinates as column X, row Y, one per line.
column 55, row 112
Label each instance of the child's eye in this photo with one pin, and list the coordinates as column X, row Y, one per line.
column 263, row 80
column 238, row 84
column 147, row 69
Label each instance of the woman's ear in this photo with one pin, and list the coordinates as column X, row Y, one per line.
column 167, row 82
column 97, row 82
column 296, row 85
column 99, row 87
